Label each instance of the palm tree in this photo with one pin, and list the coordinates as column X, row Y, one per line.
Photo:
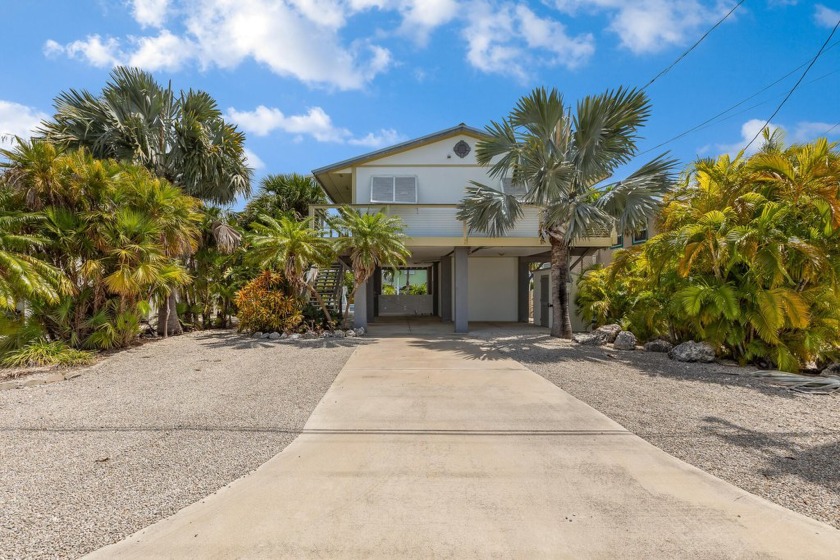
column 371, row 240
column 181, row 138
column 564, row 160
column 292, row 247
column 280, row 195
column 23, row 275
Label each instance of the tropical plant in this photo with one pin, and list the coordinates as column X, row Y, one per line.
column 283, row 195
column 44, row 353
column 563, row 160
column 293, row 248
column 747, row 258
column 371, row 241
column 182, row 138
column 268, row 303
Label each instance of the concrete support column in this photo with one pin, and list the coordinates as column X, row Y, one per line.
column 462, row 255
column 522, row 291
column 360, row 306
column 371, row 301
column 446, row 289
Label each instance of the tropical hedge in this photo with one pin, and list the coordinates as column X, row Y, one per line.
column 747, row 258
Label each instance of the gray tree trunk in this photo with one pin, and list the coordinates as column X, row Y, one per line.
column 170, row 325
column 561, row 326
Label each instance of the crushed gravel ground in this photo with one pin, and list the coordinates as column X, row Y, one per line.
column 88, row 461
column 772, row 442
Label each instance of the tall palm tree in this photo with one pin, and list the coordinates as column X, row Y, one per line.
column 292, row 247
column 371, row 241
column 182, row 138
column 564, row 161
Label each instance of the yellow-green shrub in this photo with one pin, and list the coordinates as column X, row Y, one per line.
column 268, row 303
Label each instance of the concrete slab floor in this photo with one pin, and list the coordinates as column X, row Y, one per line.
column 423, row 449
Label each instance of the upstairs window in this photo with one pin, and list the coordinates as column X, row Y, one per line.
column 394, row 189
column 619, row 242
column 518, row 190
column 640, row 236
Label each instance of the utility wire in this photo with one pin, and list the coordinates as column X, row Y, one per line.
column 796, row 85
column 719, row 116
column 694, row 46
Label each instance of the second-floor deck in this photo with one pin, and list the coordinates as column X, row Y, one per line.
column 438, row 225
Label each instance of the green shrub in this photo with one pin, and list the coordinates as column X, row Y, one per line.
column 268, row 303
column 44, row 353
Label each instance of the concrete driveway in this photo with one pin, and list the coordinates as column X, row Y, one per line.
column 430, row 448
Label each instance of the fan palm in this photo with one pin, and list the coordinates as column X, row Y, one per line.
column 293, row 248
column 371, row 241
column 564, row 161
column 290, row 195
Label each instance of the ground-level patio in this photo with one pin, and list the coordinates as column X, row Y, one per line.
column 429, row 446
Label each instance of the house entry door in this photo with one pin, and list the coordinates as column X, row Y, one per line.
column 544, row 300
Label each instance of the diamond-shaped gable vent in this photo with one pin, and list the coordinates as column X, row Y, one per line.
column 461, row 149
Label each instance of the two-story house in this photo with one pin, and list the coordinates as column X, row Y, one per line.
column 466, row 275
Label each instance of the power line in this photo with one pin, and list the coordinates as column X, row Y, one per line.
column 796, row 85
column 694, row 46
column 719, row 116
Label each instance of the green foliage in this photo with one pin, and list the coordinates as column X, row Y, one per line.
column 104, row 238
column 268, row 303
column 283, row 195
column 747, row 258
column 418, row 290
column 43, row 353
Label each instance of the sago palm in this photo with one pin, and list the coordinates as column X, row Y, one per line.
column 564, row 161
column 291, row 247
column 370, row 241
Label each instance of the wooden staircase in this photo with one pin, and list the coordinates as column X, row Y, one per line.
column 328, row 284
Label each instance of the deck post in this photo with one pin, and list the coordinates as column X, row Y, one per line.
column 446, row 289
column 462, row 289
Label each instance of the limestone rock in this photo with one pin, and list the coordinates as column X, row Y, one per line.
column 294, row 336
column 265, row 335
column 832, row 370
column 339, row 334
column 610, row 331
column 591, row 339
column 360, row 331
column 692, row 352
column 257, row 334
column 658, row 346
column 274, row 336
column 350, row 332
column 625, row 340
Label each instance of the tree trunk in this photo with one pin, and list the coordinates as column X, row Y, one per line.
column 168, row 323
column 561, row 326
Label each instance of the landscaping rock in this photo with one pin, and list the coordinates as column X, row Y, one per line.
column 610, row 331
column 832, row 370
column 265, row 335
column 257, row 334
column 326, row 334
column 339, row 334
column 360, row 331
column 294, row 336
column 274, row 336
column 284, row 336
column 350, row 332
column 310, row 335
column 591, row 339
column 658, row 346
column 625, row 340
column 692, row 352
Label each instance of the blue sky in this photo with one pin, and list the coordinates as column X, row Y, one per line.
column 312, row 82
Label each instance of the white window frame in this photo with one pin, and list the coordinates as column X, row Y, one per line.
column 394, row 189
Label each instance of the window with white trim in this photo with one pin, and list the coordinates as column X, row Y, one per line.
column 518, row 190
column 400, row 189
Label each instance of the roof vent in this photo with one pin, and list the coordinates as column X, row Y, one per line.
column 461, row 149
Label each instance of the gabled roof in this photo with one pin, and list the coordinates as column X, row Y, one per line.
column 402, row 147
column 336, row 179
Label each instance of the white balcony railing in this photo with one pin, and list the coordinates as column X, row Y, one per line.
column 428, row 220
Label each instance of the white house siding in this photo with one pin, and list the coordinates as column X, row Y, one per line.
column 492, row 289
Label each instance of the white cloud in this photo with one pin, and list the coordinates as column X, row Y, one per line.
column 748, row 131
column 512, row 40
column 807, row 131
column 150, row 13
column 17, row 120
column 801, row 132
column 253, row 161
column 645, row 26
column 93, row 50
column 164, row 52
column 315, row 123
column 826, row 16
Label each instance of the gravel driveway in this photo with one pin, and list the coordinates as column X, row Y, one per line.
column 88, row 461
column 774, row 443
